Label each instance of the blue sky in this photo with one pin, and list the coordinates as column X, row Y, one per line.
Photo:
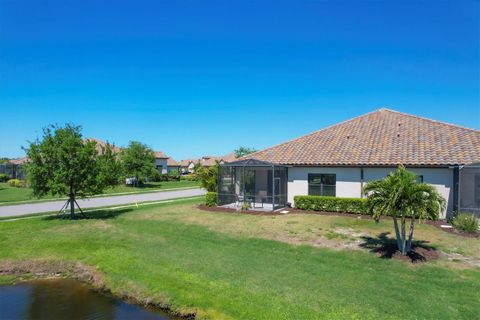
column 200, row 77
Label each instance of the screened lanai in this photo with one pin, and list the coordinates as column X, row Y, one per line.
column 260, row 185
column 469, row 189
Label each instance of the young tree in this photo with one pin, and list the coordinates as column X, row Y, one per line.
column 62, row 164
column 138, row 161
column 208, row 177
column 400, row 196
column 243, row 151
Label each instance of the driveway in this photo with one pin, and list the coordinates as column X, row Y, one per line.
column 24, row 209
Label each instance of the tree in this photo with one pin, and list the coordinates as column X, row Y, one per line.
column 243, row 151
column 138, row 161
column 400, row 196
column 208, row 177
column 62, row 164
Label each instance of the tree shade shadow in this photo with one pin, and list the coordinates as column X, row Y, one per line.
column 386, row 248
column 100, row 214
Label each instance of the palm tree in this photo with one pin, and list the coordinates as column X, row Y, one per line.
column 400, row 196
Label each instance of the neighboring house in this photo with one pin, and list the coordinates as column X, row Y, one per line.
column 173, row 166
column 208, row 161
column 187, row 165
column 14, row 168
column 101, row 145
column 161, row 162
column 340, row 159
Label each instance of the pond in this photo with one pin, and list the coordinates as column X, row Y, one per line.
column 66, row 299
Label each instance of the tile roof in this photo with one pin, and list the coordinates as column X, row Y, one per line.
column 380, row 138
column 160, row 155
column 171, row 162
column 186, row 162
column 19, row 161
column 102, row 144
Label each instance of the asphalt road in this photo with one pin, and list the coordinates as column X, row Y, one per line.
column 24, row 209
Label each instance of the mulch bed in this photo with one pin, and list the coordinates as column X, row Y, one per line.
column 417, row 255
column 251, row 212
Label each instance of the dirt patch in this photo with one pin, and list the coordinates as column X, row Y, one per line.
column 44, row 269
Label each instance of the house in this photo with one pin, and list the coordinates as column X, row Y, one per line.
column 14, row 168
column 187, row 165
column 101, row 145
column 208, row 161
column 173, row 166
column 161, row 162
column 340, row 159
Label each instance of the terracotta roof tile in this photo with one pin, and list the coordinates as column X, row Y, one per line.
column 382, row 137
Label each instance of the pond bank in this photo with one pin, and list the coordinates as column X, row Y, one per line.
column 26, row 272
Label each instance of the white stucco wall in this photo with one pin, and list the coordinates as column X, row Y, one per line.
column 349, row 183
column 163, row 163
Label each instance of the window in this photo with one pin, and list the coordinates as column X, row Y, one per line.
column 320, row 184
column 419, row 178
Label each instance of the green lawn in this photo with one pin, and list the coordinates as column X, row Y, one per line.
column 235, row 266
column 11, row 194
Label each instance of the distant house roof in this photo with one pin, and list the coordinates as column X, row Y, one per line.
column 160, row 155
column 380, row 138
column 172, row 163
column 19, row 161
column 229, row 157
column 186, row 162
column 102, row 144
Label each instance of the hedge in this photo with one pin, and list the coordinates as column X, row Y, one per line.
column 331, row 204
column 211, row 199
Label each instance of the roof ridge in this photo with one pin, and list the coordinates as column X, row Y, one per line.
column 428, row 119
column 314, row 132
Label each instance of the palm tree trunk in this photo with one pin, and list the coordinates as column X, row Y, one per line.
column 404, row 238
column 397, row 233
column 410, row 236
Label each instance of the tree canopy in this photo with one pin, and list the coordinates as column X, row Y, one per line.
column 400, row 196
column 138, row 161
column 243, row 151
column 63, row 164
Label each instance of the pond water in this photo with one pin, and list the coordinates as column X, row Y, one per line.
column 66, row 299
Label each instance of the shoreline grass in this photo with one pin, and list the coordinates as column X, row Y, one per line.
column 177, row 255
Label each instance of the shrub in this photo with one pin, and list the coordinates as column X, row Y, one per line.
column 155, row 176
column 465, row 222
column 211, row 199
column 331, row 204
column 16, row 183
column 4, row 177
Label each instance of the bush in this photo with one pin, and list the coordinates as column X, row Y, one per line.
column 190, row 177
column 156, row 176
column 4, row 177
column 331, row 204
column 465, row 222
column 211, row 199
column 16, row 183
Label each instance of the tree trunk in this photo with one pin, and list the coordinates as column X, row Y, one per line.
column 410, row 236
column 397, row 233
column 404, row 238
column 72, row 205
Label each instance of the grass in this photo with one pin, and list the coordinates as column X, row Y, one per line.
column 234, row 266
column 10, row 195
